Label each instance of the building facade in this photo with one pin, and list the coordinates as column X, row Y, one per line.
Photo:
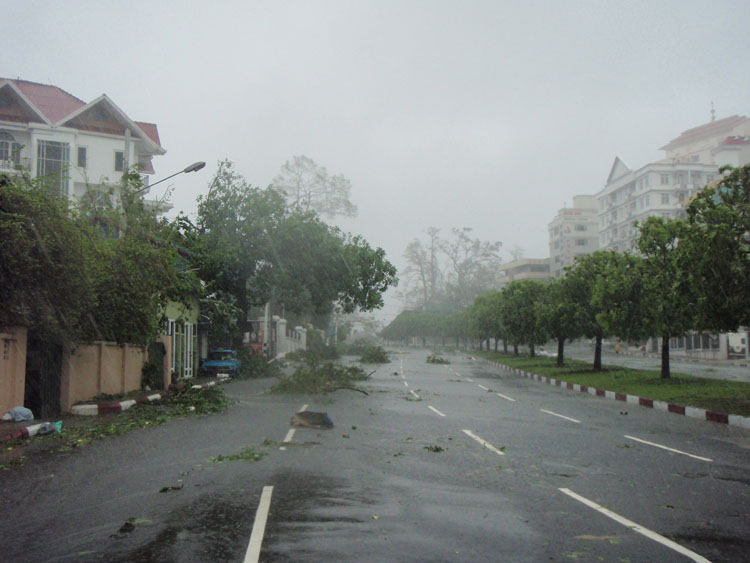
column 76, row 147
column 573, row 232
column 525, row 269
column 662, row 188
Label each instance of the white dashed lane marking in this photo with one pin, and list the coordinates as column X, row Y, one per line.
column 561, row 416
column 505, row 397
column 637, row 528
column 668, row 449
column 483, row 442
column 433, row 409
column 482, row 387
column 413, row 393
column 252, row 555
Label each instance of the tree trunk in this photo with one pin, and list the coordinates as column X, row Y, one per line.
column 532, row 352
column 665, row 357
column 488, row 344
column 515, row 349
column 560, row 351
column 598, row 354
column 495, row 344
column 505, row 346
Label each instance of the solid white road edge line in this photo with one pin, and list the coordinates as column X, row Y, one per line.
column 483, row 442
column 252, row 555
column 433, row 409
column 505, row 397
column 637, row 528
column 561, row 416
column 482, row 387
column 668, row 449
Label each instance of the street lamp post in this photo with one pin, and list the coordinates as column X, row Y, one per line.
column 192, row 168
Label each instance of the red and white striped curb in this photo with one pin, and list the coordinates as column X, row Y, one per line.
column 22, row 433
column 96, row 409
column 692, row 412
column 108, row 408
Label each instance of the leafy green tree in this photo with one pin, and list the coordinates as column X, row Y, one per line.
column 560, row 314
column 518, row 309
column 251, row 246
column 47, row 259
column 717, row 243
column 583, row 277
column 88, row 273
column 485, row 314
column 660, row 293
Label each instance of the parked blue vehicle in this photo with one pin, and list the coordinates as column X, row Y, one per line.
column 221, row 362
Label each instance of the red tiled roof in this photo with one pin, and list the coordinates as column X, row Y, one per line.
column 736, row 140
column 150, row 130
column 706, row 130
column 53, row 102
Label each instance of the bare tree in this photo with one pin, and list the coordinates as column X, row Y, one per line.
column 423, row 272
column 473, row 266
column 448, row 274
column 308, row 187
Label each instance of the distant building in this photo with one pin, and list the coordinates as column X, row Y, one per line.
column 661, row 188
column 525, row 269
column 75, row 146
column 573, row 232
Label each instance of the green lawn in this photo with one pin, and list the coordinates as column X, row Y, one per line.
column 730, row 397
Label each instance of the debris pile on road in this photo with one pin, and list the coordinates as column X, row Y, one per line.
column 308, row 419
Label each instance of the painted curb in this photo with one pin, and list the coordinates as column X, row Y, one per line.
column 96, row 409
column 692, row 412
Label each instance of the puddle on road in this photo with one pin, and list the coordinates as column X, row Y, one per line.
column 213, row 528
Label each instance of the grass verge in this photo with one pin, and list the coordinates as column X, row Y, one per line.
column 730, row 397
column 188, row 402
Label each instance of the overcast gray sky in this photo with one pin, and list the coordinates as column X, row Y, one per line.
column 484, row 114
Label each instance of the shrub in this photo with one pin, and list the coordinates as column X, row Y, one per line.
column 436, row 359
column 374, row 355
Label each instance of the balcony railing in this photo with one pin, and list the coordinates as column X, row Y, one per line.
column 15, row 164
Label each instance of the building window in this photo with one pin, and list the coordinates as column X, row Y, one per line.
column 10, row 151
column 119, row 161
column 580, row 227
column 665, row 199
column 580, row 242
column 81, row 157
column 52, row 165
column 664, row 179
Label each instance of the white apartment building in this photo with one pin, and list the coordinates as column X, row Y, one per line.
column 661, row 188
column 75, row 146
column 573, row 232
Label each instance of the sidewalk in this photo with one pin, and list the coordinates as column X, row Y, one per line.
column 734, row 370
column 21, row 430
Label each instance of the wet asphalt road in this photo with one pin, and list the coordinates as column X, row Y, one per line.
column 463, row 462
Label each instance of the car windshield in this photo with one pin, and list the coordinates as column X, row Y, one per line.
column 221, row 355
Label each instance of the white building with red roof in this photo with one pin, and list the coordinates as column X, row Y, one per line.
column 75, row 146
column 662, row 188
